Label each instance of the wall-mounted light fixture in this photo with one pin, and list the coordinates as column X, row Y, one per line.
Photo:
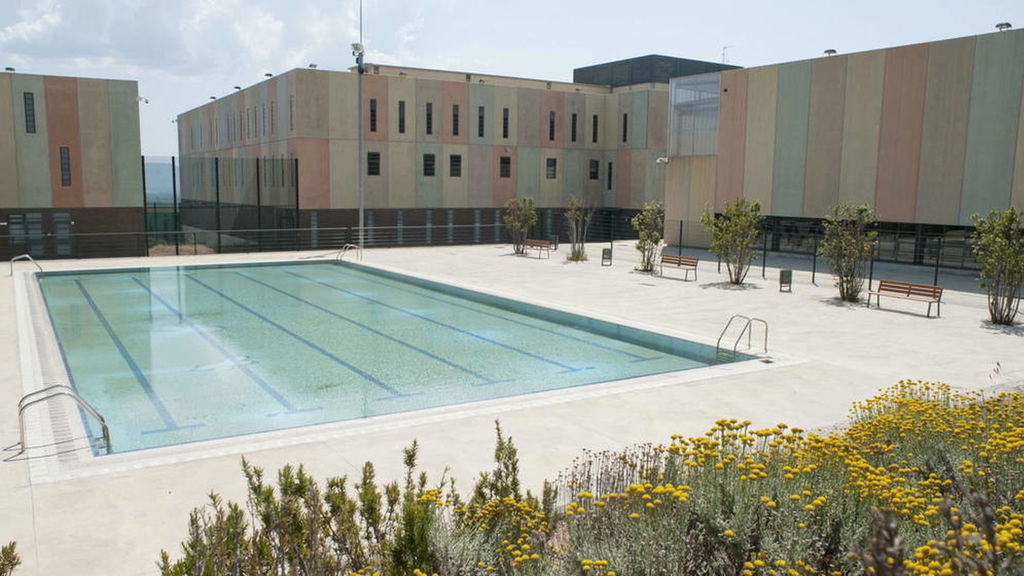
column 1003, row 26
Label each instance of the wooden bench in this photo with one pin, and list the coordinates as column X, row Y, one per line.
column 687, row 263
column 907, row 291
column 539, row 246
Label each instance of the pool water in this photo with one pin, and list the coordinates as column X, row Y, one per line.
column 183, row 354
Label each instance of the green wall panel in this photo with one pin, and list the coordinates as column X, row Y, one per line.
column 428, row 188
column 8, row 153
column 992, row 124
column 824, row 136
column 33, row 151
column 638, row 120
column 528, row 172
column 124, row 143
column 862, row 116
column 791, row 139
column 762, row 110
column 483, row 95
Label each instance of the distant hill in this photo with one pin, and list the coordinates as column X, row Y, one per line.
column 159, row 187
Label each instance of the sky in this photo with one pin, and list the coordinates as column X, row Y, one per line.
column 181, row 52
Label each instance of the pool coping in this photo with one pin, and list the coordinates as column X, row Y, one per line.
column 59, row 427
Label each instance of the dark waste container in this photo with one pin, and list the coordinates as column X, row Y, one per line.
column 785, row 280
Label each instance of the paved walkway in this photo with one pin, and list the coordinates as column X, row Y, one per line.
column 116, row 522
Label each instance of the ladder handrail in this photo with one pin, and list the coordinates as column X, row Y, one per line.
column 718, row 344
column 23, row 257
column 747, row 329
column 345, row 249
column 51, row 392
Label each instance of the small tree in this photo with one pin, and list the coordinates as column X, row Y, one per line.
column 520, row 216
column 577, row 219
column 999, row 250
column 733, row 236
column 649, row 225
column 849, row 238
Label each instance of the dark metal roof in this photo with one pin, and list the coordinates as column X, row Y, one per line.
column 644, row 69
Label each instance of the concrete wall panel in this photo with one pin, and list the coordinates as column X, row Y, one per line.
column 551, row 188
column 455, row 93
column 342, row 105
column 595, row 106
column 791, row 139
column 825, row 136
column 623, row 179
column 481, row 171
column 944, row 134
column 575, row 104
column 344, row 171
column 732, row 138
column 528, row 128
column 376, row 188
column 528, row 175
column 312, row 103
column 8, row 152
column 759, row 161
column 1017, row 198
column 703, row 174
column 552, row 102
column 405, row 165
column 638, row 120
column 428, row 188
column 404, row 89
column 455, row 189
column 33, row 149
column 657, row 119
column 124, row 142
column 314, row 173
column 507, row 97
column 899, row 148
column 483, row 95
column 427, row 91
column 862, row 117
column 375, row 88
column 94, row 143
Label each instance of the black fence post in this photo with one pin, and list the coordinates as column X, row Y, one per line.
column 814, row 263
column 259, row 209
column 145, row 211
column 216, row 189
column 680, row 237
column 298, row 224
column 871, row 267
column 174, row 202
column 938, row 258
column 764, row 253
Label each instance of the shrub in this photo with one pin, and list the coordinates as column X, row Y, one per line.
column 649, row 225
column 847, row 244
column 733, row 236
column 577, row 220
column 520, row 216
column 999, row 249
column 9, row 559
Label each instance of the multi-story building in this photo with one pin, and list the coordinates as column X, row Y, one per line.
column 69, row 163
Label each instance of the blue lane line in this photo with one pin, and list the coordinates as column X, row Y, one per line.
column 565, row 367
column 638, row 357
column 369, row 328
column 143, row 381
column 313, row 345
column 227, row 354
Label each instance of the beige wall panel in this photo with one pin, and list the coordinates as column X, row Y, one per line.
column 1017, row 198
column 638, row 179
column 344, row 187
column 94, row 118
column 343, row 88
column 312, row 95
column 375, row 88
column 657, row 119
column 454, row 193
column 862, row 117
column 401, row 174
column 505, row 97
column 677, row 192
column 551, row 188
column 403, row 88
column 732, row 138
column 762, row 100
column 375, row 188
column 595, row 105
column 703, row 176
column 824, row 136
column 314, row 173
column 8, row 154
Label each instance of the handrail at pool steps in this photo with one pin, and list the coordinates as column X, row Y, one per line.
column 23, row 257
column 748, row 323
column 345, row 250
column 44, row 394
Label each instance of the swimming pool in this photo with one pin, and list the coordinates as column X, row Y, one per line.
column 182, row 354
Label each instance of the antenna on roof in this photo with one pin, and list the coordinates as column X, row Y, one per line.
column 830, row 52
column 1003, row 26
column 724, row 48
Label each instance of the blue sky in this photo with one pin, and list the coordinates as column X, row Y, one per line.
column 184, row 51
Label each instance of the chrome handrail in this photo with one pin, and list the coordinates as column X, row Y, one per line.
column 345, row 249
column 747, row 329
column 52, row 392
column 23, row 257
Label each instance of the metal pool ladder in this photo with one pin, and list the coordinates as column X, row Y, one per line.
column 23, row 257
column 748, row 329
column 44, row 394
column 346, row 249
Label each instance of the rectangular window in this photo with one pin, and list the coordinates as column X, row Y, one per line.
column 551, row 125
column 291, row 113
column 593, row 130
column 373, row 163
column 65, row 166
column 480, row 121
column 595, row 167
column 625, row 126
column 430, row 118
column 264, row 114
column 504, row 122
column 273, row 117
column 373, row 114
column 573, row 127
column 428, row 164
column 401, row 116
column 455, row 166
column 505, row 167
column 455, row 119
column 609, row 175
column 30, row 112
column 552, row 168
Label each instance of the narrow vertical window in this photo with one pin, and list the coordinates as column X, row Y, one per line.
column 505, row 167
column 480, row 121
column 609, row 175
column 373, row 163
column 430, row 118
column 264, row 114
column 595, row 167
column 291, row 113
column 625, row 127
column 551, row 125
column 273, row 117
column 552, row 168
column 30, row 112
column 65, row 166
column 248, row 124
column 572, row 133
column 593, row 129
column 373, row 114
column 401, row 116
column 428, row 164
column 455, row 166
column 455, row 119
column 238, row 124
column 504, row 122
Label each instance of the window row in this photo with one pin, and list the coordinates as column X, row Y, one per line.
column 482, row 122
column 373, row 167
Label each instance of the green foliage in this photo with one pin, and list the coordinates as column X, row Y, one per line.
column 577, row 220
column 649, row 225
column 503, row 481
column 734, row 235
column 847, row 244
column 999, row 250
column 9, row 559
column 520, row 216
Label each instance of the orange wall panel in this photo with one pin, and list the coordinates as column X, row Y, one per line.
column 899, row 150
column 375, row 87
column 62, row 131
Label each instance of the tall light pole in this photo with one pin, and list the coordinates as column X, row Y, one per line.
column 359, row 52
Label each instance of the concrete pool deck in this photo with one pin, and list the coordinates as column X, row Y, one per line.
column 114, row 520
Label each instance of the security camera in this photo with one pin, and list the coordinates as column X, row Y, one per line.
column 661, row 160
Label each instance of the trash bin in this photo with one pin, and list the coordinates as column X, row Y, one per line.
column 606, row 257
column 785, row 280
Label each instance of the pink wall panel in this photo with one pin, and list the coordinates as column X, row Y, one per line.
column 732, row 138
column 375, row 87
column 552, row 102
column 62, row 131
column 622, row 177
column 504, row 189
column 899, row 150
column 455, row 93
column 314, row 172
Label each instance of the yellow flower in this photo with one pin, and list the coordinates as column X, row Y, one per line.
column 728, row 533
